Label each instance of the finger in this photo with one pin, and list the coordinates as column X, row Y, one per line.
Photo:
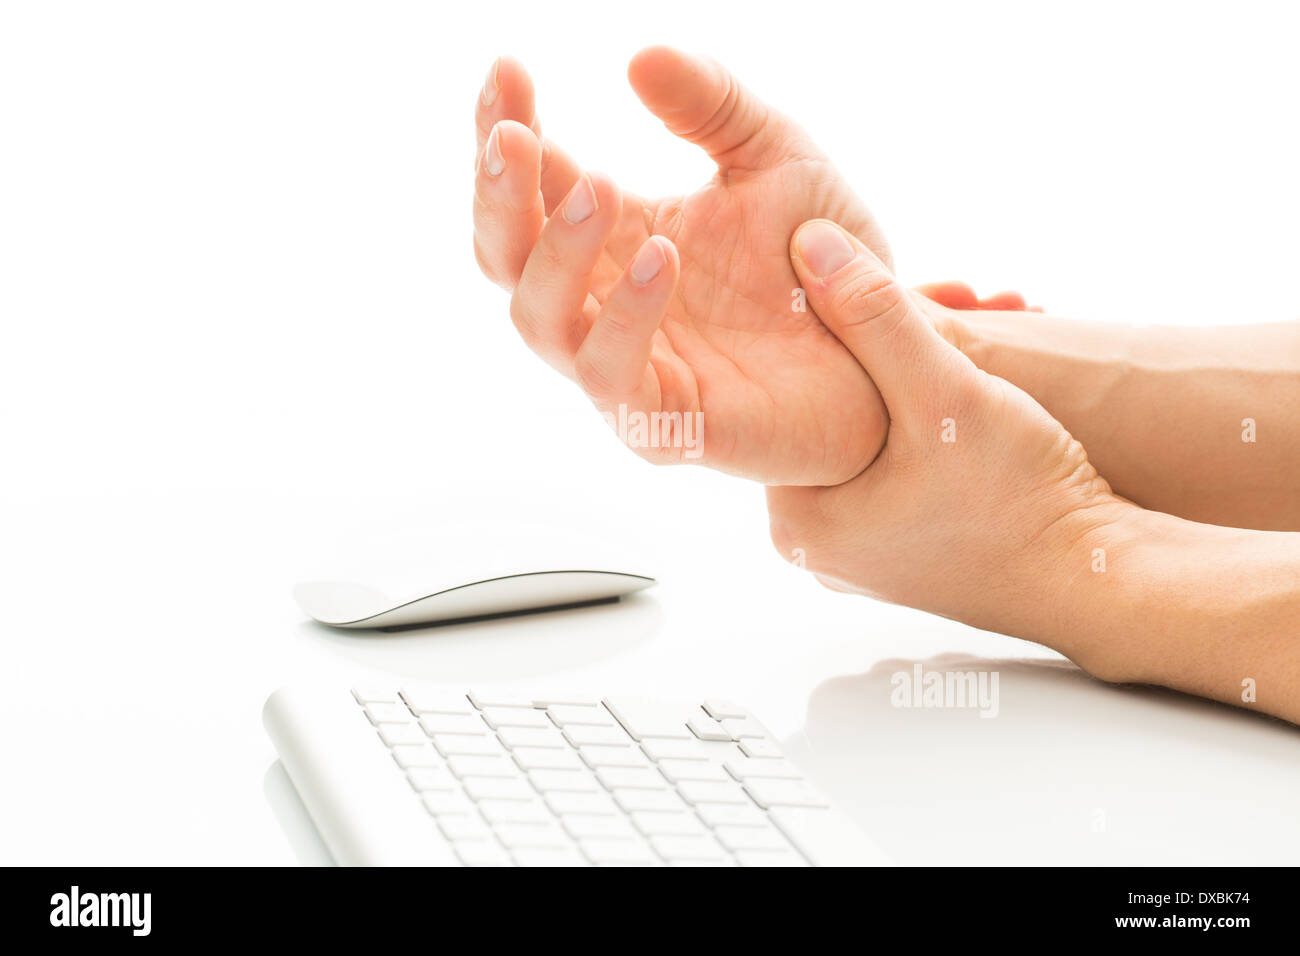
column 953, row 295
column 701, row 102
column 1004, row 302
column 508, row 95
column 612, row 365
column 508, row 213
column 875, row 317
column 552, row 296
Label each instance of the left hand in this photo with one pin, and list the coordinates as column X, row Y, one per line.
column 682, row 304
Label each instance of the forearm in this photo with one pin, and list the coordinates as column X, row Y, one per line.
column 1203, row 423
column 1202, row 609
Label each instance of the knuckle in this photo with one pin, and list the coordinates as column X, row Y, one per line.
column 870, row 296
column 617, row 326
column 592, row 377
column 486, row 266
column 550, row 260
column 794, row 522
column 521, row 314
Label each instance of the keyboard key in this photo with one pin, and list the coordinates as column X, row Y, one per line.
column 586, row 803
column 702, row 791
column 743, row 768
column 783, row 793
column 614, row 757
column 450, row 745
column 481, row 853
column 388, row 714
column 751, row 838
column 657, row 800
column 693, row 749
column 565, row 780
column 520, row 835
column 430, row 778
column 398, row 734
column 732, row 814
column 532, row 737
column 538, row 856
column 464, row 766
column 375, row 694
column 668, row 824
column 464, row 826
column 609, row 736
column 452, row 724
column 706, row 728
column 496, row 698
column 563, row 699
column 739, row 727
column 439, row 802
column 644, row 718
column 720, row 709
column 515, row 811
column 581, row 825
column 539, row 758
column 499, row 788
column 423, row 701
column 770, row 858
column 725, row 861
column 678, row 770
column 765, row 749
column 618, row 851
column 636, row 778
column 409, row 756
column 498, row 717
column 568, row 715
column 688, row 848
column 578, row 781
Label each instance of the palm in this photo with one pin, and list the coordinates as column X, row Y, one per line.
column 781, row 399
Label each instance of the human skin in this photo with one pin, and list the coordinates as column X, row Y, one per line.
column 983, row 508
column 668, row 305
column 706, row 323
column 1161, row 410
column 1203, row 423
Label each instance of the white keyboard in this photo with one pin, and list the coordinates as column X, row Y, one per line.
column 429, row 775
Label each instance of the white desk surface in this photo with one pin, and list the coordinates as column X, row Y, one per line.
column 245, row 336
column 136, row 674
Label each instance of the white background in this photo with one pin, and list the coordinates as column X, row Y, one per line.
column 243, row 336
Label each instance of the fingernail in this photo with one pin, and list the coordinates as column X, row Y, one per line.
column 493, row 161
column 490, row 87
column 581, row 202
column 649, row 260
column 823, row 248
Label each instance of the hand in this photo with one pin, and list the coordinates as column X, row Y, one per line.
column 961, row 297
column 682, row 304
column 979, row 507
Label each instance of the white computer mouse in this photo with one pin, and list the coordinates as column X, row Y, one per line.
column 476, row 570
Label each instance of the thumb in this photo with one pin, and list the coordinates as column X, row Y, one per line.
column 701, row 102
column 868, row 310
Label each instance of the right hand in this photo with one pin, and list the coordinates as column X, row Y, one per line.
column 682, row 304
column 980, row 506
